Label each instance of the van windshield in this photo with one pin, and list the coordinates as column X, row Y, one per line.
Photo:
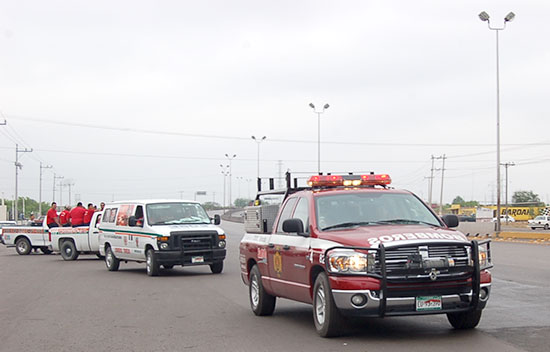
column 176, row 213
column 370, row 209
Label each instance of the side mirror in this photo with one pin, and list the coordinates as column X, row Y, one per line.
column 217, row 219
column 132, row 221
column 294, row 226
column 450, row 220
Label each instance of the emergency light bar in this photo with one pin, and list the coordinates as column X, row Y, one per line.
column 348, row 180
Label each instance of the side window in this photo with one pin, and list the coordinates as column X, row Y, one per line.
column 106, row 215
column 285, row 214
column 302, row 213
column 97, row 221
column 113, row 215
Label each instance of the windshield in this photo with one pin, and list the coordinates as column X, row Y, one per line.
column 370, row 209
column 176, row 213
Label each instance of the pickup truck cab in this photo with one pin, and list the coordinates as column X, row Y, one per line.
column 161, row 232
column 541, row 221
column 27, row 238
column 73, row 241
column 351, row 246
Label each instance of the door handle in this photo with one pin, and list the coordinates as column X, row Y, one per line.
column 271, row 245
column 286, row 247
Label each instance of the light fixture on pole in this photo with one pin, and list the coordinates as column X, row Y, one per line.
column 486, row 18
column 40, row 188
column 326, row 106
column 258, row 141
column 230, row 158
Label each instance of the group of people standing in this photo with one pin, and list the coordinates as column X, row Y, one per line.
column 77, row 216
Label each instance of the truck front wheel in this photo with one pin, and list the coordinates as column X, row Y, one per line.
column 111, row 261
column 68, row 251
column 216, row 268
column 261, row 302
column 153, row 266
column 23, row 246
column 464, row 320
column 328, row 319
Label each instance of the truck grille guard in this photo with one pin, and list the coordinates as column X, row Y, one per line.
column 383, row 276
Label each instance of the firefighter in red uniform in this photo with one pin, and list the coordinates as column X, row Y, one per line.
column 52, row 220
column 77, row 215
column 88, row 214
column 65, row 216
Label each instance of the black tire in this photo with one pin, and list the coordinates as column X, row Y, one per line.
column 326, row 316
column 532, row 228
column 546, row 226
column 166, row 266
column 261, row 302
column 100, row 256
column 68, row 251
column 216, row 268
column 152, row 264
column 464, row 320
column 46, row 250
column 23, row 246
column 111, row 261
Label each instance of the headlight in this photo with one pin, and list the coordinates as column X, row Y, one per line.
column 221, row 244
column 348, row 261
column 484, row 256
column 164, row 245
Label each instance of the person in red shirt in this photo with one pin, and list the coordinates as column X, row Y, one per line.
column 88, row 214
column 52, row 220
column 77, row 215
column 65, row 217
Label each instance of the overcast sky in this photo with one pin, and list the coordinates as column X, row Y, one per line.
column 134, row 99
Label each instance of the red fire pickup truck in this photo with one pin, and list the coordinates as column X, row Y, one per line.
column 352, row 246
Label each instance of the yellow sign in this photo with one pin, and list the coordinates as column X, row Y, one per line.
column 278, row 263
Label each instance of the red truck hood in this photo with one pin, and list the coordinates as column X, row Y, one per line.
column 372, row 236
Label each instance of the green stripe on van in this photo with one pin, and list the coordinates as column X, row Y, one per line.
column 136, row 232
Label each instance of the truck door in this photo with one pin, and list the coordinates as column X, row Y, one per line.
column 295, row 258
column 93, row 233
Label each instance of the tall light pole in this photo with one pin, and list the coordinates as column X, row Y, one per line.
column 506, row 165
column 509, row 17
column 18, row 166
column 225, row 173
column 230, row 158
column 258, row 141
column 326, row 106
column 40, row 188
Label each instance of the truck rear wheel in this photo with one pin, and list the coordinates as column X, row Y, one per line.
column 68, row 251
column 326, row 316
column 216, row 268
column 23, row 246
column 111, row 261
column 153, row 266
column 464, row 320
column 261, row 302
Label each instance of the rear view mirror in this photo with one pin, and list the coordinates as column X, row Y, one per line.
column 217, row 219
column 450, row 220
column 294, row 226
column 132, row 221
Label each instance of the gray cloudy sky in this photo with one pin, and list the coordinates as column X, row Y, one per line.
column 132, row 99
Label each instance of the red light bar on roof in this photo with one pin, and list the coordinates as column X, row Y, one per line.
column 349, row 180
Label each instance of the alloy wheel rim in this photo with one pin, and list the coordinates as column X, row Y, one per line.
column 22, row 246
column 109, row 259
column 320, row 305
column 254, row 291
column 148, row 262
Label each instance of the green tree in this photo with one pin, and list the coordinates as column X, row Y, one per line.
column 525, row 197
column 459, row 200
column 211, row 206
column 242, row 202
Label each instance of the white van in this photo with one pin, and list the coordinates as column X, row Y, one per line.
column 161, row 232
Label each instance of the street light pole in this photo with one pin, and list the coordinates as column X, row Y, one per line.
column 230, row 158
column 506, row 165
column 258, row 141
column 326, row 106
column 40, row 188
column 18, row 166
column 486, row 18
column 225, row 172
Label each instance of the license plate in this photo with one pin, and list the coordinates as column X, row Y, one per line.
column 428, row 303
column 195, row 260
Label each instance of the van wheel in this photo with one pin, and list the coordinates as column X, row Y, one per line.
column 216, row 268
column 68, row 251
column 23, row 246
column 100, row 256
column 532, row 228
column 111, row 261
column 326, row 316
column 153, row 266
column 464, row 320
column 261, row 302
column 46, row 250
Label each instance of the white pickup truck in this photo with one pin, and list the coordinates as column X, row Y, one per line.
column 27, row 238
column 73, row 241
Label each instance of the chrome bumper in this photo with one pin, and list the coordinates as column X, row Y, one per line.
column 396, row 306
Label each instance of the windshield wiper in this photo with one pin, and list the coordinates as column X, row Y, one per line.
column 346, row 224
column 406, row 221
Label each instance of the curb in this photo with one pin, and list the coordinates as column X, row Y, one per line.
column 525, row 235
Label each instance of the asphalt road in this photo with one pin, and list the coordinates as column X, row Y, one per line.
column 47, row 304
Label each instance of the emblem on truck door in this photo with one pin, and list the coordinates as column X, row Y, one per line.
column 278, row 263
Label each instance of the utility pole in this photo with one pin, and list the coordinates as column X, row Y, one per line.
column 506, row 165
column 69, row 184
column 280, row 182
column 431, row 183
column 55, row 178
column 40, row 188
column 17, row 167
column 442, row 179
column 230, row 158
